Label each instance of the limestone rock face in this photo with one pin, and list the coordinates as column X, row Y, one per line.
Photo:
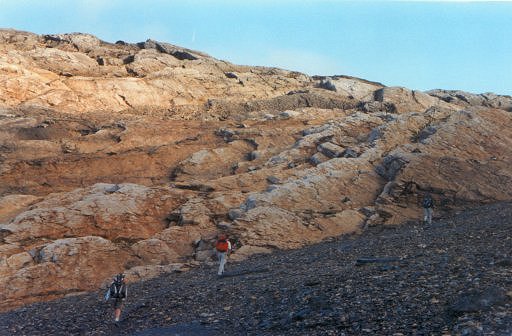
column 154, row 252
column 11, row 205
column 134, row 157
column 61, row 267
column 130, row 212
column 62, row 71
column 354, row 87
column 470, row 99
column 403, row 100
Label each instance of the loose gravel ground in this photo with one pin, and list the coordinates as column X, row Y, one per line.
column 449, row 278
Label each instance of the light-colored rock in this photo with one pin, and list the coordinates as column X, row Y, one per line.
column 405, row 100
column 63, row 266
column 59, row 61
column 132, row 212
column 181, row 239
column 62, row 70
column 19, row 260
column 194, row 212
column 354, row 87
column 154, row 252
column 318, row 158
column 348, row 221
column 289, row 114
column 205, row 255
column 11, row 205
column 209, row 164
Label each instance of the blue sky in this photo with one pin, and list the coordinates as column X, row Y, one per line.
column 421, row 45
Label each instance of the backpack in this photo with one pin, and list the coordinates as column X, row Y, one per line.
column 428, row 202
column 118, row 290
column 222, row 245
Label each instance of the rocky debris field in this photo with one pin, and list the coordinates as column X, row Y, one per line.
column 452, row 277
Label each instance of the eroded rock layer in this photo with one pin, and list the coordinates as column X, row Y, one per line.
column 132, row 157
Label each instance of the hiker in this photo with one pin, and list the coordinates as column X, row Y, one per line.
column 117, row 291
column 223, row 247
column 428, row 204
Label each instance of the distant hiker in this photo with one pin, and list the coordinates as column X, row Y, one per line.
column 119, row 292
column 223, row 247
column 428, row 204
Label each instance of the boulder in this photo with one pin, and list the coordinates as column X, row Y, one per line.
column 181, row 239
column 351, row 87
column 154, row 252
column 405, row 100
column 289, row 114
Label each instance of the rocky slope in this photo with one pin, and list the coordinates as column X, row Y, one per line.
column 450, row 278
column 136, row 155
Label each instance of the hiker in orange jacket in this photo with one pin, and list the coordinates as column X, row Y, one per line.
column 223, row 247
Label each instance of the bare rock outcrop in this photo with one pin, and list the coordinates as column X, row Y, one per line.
column 470, row 99
column 59, row 268
column 79, row 73
column 122, row 212
column 133, row 157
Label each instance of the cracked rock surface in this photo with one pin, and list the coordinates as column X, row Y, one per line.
column 134, row 156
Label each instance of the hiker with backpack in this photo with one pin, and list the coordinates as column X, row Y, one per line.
column 223, row 247
column 119, row 292
column 428, row 205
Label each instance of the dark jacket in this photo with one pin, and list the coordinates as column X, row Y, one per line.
column 428, row 202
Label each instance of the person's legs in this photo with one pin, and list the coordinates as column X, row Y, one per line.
column 222, row 262
column 117, row 314
column 425, row 215
column 118, row 303
column 429, row 215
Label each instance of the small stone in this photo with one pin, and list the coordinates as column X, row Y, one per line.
column 288, row 114
column 349, row 153
column 234, row 213
column 273, row 180
column 254, row 155
column 330, row 150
